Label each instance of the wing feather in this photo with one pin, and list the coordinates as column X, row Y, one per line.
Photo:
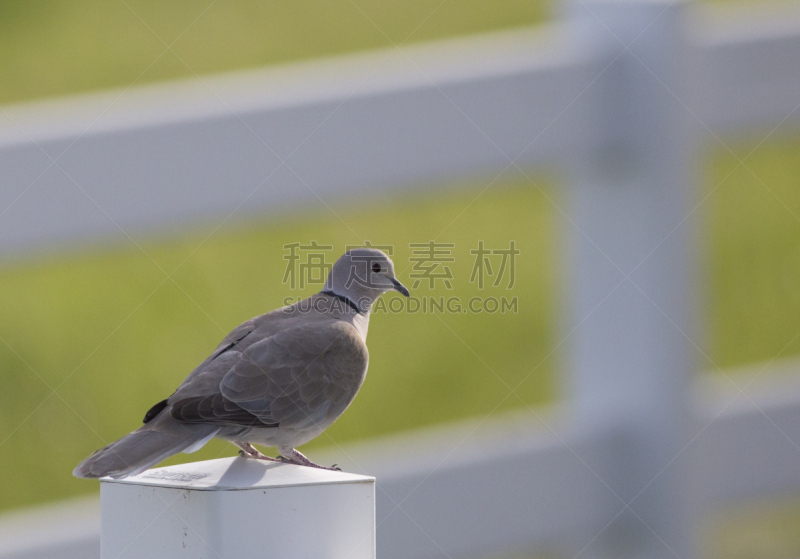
column 299, row 377
column 306, row 375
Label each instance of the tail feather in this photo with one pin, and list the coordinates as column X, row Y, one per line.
column 143, row 448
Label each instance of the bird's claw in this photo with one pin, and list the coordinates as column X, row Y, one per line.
column 336, row 468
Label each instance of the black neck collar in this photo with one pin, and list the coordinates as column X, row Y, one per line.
column 344, row 299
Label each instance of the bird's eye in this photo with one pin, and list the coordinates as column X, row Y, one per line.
column 376, row 267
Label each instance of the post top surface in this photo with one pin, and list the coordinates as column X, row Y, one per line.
column 230, row 474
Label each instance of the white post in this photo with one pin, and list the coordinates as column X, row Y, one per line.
column 630, row 355
column 236, row 507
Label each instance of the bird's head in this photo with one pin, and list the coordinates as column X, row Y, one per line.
column 362, row 275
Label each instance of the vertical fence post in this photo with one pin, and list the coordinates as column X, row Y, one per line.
column 237, row 507
column 629, row 354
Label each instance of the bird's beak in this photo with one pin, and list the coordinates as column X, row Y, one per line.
column 400, row 287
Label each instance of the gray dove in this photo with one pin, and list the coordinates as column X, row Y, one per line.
column 277, row 380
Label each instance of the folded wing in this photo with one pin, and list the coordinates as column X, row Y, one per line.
column 299, row 378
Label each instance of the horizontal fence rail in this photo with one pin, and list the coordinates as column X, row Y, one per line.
column 518, row 481
column 158, row 157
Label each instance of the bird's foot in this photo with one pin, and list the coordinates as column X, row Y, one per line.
column 249, row 451
column 298, row 458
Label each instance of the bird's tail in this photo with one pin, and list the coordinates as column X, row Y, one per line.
column 143, row 448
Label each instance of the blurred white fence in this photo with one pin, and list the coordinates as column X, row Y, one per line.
column 617, row 97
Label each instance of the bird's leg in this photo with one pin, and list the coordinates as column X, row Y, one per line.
column 249, row 451
column 293, row 456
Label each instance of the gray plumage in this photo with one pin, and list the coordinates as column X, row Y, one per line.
column 279, row 379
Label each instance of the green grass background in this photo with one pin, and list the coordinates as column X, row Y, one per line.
column 109, row 331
